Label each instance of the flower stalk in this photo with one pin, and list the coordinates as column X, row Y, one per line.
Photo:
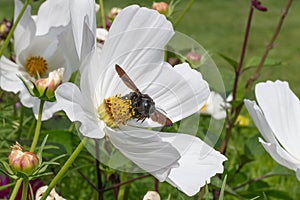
column 64, row 169
column 11, row 32
column 25, row 189
column 102, row 14
column 38, row 127
column 16, row 189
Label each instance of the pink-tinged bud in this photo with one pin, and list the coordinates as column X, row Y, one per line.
column 114, row 12
column 161, row 7
column 20, row 161
column 50, row 83
column 193, row 56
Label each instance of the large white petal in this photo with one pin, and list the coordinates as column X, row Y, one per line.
column 136, row 38
column 9, row 81
column 178, row 91
column 146, row 149
column 25, row 30
column 279, row 154
column 52, row 13
column 198, row 163
column 281, row 108
column 78, row 108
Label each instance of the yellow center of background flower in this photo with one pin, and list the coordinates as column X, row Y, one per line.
column 115, row 111
column 36, row 65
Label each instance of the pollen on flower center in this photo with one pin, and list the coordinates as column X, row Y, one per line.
column 116, row 110
column 36, row 65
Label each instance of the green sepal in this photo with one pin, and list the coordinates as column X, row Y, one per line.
column 31, row 92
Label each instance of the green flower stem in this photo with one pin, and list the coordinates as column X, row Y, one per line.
column 64, row 169
column 16, row 189
column 11, row 32
column 102, row 13
column 25, row 189
column 38, row 127
column 186, row 9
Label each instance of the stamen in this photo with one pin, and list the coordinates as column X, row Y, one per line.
column 36, row 65
column 115, row 111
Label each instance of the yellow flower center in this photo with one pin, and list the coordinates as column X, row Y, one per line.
column 116, row 110
column 36, row 65
column 203, row 107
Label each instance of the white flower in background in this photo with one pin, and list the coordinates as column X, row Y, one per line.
column 51, row 40
column 216, row 106
column 136, row 42
column 52, row 196
column 151, row 195
column 277, row 118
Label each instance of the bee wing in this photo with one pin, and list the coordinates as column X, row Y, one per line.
column 126, row 79
column 161, row 118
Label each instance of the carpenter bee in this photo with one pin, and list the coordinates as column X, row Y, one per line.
column 143, row 104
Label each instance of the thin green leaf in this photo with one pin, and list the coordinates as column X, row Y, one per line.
column 7, row 167
column 40, row 152
column 230, row 61
column 223, row 188
column 3, row 187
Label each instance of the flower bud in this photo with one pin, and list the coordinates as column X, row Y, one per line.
column 50, row 84
column 20, row 161
column 161, row 7
column 114, row 12
column 193, row 56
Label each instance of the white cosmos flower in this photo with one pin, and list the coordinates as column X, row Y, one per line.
column 277, row 119
column 136, row 42
column 50, row 40
column 216, row 106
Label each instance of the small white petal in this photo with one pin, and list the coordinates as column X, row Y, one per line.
column 281, row 108
column 79, row 108
column 215, row 106
column 280, row 155
column 260, row 121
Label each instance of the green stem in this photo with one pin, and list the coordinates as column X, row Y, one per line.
column 64, row 169
column 38, row 127
column 11, row 32
column 25, row 189
column 16, row 189
column 186, row 9
column 102, row 13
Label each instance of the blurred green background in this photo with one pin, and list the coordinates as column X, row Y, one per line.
column 219, row 27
